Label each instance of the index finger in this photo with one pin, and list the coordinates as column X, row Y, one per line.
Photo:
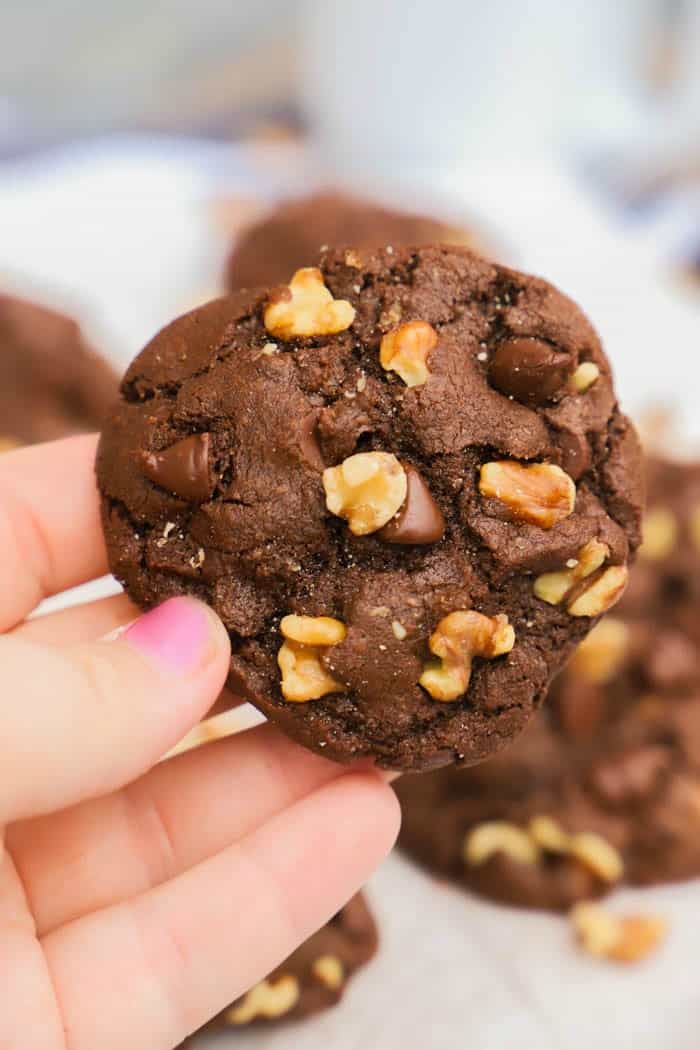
column 50, row 532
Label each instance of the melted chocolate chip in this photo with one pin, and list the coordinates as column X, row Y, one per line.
column 182, row 469
column 419, row 520
column 575, row 453
column 529, row 370
column 308, row 441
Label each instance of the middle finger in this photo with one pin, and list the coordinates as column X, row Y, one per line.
column 186, row 809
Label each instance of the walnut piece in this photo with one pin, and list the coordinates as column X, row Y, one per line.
column 305, row 307
column 602, row 593
column 366, row 489
column 549, row 835
column 457, row 639
column 266, row 999
column 539, row 493
column 7, row 444
column 299, row 659
column 405, row 350
column 593, row 600
column 598, row 855
column 659, row 533
column 600, row 656
column 312, row 630
column 627, row 938
column 498, row 836
column 543, row 835
column 584, row 377
column 329, row 970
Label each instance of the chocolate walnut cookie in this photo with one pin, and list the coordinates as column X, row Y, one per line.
column 403, row 482
column 313, row 978
column 51, row 382
column 604, row 785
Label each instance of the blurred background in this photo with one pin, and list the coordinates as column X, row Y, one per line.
column 141, row 146
column 566, row 135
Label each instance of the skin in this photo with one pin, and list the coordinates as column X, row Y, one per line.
column 121, row 880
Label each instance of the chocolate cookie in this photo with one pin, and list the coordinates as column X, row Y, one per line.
column 313, row 978
column 296, row 230
column 402, row 481
column 614, row 756
column 52, row 383
column 667, row 575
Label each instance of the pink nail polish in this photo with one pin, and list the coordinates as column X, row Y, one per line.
column 175, row 636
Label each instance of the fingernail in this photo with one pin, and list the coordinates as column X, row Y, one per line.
column 177, row 636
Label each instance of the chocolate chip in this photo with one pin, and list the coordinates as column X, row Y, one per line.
column 575, row 453
column 419, row 520
column 183, row 468
column 529, row 370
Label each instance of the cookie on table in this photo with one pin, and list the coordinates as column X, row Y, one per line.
column 313, row 978
column 614, row 753
column 667, row 576
column 402, row 481
column 52, row 383
column 295, row 231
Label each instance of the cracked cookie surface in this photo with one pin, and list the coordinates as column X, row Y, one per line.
column 271, row 456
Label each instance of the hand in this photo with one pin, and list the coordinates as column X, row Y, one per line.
column 137, row 899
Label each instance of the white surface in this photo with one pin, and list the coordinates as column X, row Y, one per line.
column 125, row 231
column 454, row 973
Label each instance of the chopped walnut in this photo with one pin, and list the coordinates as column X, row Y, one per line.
column 592, row 600
column 299, row 659
column 329, row 970
column 602, row 594
column 306, row 307
column 659, row 533
column 398, row 630
column 353, row 260
column 266, row 999
column 312, row 630
column 549, row 835
column 539, row 493
column 457, row 639
column 600, row 656
column 366, row 489
column 553, row 587
column 405, row 350
column 598, row 855
column 584, row 377
column 543, row 835
column 627, row 938
column 498, row 836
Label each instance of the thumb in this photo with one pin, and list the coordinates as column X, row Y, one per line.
column 80, row 721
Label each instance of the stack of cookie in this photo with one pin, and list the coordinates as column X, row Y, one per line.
column 604, row 785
